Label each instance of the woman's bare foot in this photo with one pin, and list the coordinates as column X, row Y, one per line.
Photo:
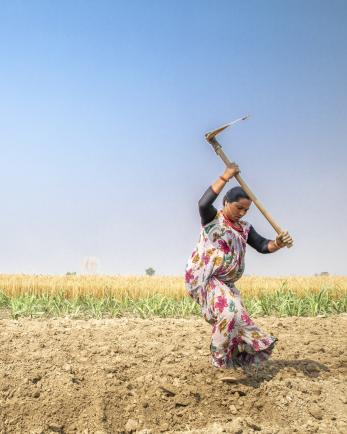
column 231, row 375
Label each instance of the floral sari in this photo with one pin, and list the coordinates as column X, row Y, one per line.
column 215, row 265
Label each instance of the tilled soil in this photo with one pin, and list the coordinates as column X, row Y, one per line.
column 149, row 376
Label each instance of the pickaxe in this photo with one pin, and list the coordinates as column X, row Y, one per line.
column 211, row 138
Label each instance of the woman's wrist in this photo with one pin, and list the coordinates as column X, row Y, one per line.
column 277, row 245
column 223, row 178
column 219, row 184
column 273, row 246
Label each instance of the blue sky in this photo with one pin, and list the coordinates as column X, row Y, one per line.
column 103, row 111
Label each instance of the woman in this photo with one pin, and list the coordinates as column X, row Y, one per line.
column 216, row 264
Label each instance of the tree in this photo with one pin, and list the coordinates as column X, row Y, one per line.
column 150, row 271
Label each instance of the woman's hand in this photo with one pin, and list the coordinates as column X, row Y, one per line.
column 231, row 171
column 284, row 239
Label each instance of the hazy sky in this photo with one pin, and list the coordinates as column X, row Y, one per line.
column 103, row 110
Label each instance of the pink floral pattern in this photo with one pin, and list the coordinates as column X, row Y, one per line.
column 215, row 265
column 189, row 276
column 245, row 318
column 221, row 303
column 223, row 245
column 205, row 259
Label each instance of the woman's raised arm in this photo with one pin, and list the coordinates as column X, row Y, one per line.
column 206, row 210
column 229, row 172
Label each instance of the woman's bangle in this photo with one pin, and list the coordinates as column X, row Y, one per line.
column 224, row 179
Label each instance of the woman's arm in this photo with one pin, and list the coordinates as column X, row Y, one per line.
column 229, row 172
column 263, row 245
column 273, row 247
column 206, row 210
column 258, row 242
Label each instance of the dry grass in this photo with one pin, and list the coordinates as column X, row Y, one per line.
column 139, row 287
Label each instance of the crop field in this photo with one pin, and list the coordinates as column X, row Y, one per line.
column 99, row 296
column 137, row 287
column 128, row 354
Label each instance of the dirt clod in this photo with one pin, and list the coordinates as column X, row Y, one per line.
column 56, row 428
column 232, row 409
column 131, row 426
column 315, row 411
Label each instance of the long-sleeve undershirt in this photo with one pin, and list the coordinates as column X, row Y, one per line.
column 208, row 213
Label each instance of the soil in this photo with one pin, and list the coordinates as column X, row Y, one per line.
column 131, row 375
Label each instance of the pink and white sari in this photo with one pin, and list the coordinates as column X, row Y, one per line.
column 215, row 265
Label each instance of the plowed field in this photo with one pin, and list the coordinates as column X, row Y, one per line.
column 149, row 376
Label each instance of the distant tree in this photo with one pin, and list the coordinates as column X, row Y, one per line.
column 150, row 271
column 71, row 273
column 324, row 273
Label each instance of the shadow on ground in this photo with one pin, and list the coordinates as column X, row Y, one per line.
column 310, row 368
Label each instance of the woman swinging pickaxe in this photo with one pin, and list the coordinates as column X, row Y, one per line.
column 211, row 138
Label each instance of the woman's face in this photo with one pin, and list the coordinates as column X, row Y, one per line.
column 236, row 210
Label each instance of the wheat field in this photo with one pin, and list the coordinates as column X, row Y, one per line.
column 139, row 287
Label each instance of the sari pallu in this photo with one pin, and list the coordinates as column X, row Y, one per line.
column 215, row 265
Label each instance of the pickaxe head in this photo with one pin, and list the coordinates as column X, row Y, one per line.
column 210, row 136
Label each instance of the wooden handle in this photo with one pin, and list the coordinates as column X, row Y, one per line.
column 249, row 193
column 258, row 204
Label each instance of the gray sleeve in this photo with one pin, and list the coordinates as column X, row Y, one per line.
column 206, row 209
column 258, row 242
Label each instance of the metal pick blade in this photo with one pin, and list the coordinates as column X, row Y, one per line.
column 210, row 135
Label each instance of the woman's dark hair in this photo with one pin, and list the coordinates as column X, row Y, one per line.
column 234, row 194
